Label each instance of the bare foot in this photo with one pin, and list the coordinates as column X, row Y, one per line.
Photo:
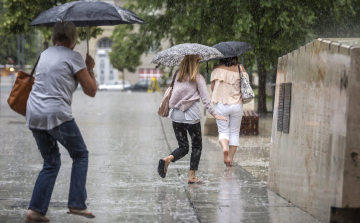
column 231, row 162
column 82, row 212
column 167, row 163
column 226, row 157
column 194, row 180
column 34, row 216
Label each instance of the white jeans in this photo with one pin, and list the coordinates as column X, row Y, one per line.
column 229, row 130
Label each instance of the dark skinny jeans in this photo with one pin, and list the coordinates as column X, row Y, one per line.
column 68, row 134
column 194, row 130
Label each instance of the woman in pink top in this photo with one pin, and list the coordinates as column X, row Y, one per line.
column 225, row 84
column 189, row 87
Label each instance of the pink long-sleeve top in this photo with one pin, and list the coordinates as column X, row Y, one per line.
column 186, row 93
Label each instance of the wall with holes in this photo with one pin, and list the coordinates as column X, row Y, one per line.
column 314, row 158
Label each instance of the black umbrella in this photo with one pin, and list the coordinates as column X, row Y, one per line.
column 86, row 13
column 230, row 49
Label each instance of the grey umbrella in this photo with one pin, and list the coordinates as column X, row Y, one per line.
column 174, row 55
column 86, row 13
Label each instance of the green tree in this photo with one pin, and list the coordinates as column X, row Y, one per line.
column 9, row 49
column 125, row 49
column 273, row 27
column 129, row 44
column 18, row 14
column 9, row 45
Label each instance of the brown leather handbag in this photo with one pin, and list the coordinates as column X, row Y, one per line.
column 164, row 105
column 21, row 90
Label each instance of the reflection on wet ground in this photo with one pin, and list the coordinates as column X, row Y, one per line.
column 126, row 138
column 254, row 151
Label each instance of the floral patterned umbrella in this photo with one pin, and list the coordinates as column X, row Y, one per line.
column 174, row 55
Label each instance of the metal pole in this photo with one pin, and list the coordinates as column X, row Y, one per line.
column 123, row 79
column 37, row 43
column 23, row 52
column 18, row 55
column 87, row 38
column 0, row 87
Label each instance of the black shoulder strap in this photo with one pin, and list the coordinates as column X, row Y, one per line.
column 33, row 70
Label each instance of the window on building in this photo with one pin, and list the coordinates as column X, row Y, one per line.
column 105, row 43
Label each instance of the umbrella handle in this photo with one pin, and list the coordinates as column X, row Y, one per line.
column 87, row 38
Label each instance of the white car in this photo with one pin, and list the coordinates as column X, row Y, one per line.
column 114, row 85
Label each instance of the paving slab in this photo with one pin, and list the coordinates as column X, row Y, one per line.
column 126, row 138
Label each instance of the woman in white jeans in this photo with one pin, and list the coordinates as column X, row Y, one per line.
column 225, row 84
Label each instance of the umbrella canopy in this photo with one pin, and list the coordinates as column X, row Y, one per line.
column 87, row 13
column 232, row 49
column 174, row 55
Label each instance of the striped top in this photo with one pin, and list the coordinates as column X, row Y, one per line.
column 191, row 116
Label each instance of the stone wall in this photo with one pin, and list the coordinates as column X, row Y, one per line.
column 316, row 165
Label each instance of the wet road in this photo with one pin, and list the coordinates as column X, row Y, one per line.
column 126, row 138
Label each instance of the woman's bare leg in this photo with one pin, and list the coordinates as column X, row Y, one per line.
column 232, row 151
column 224, row 145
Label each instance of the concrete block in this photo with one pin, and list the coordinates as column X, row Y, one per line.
column 316, row 166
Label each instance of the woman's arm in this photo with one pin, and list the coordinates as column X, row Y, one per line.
column 201, row 85
column 86, row 77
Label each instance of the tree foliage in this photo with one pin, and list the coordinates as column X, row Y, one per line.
column 19, row 13
column 125, row 54
column 273, row 27
column 9, row 45
column 15, row 18
column 9, row 49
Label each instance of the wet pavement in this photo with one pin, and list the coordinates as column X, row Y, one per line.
column 254, row 151
column 126, row 138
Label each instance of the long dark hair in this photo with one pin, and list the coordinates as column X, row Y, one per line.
column 230, row 61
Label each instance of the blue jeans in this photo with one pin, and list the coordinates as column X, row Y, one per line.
column 68, row 134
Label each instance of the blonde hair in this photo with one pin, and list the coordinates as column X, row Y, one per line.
column 189, row 68
column 64, row 32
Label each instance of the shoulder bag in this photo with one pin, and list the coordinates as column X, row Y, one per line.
column 247, row 94
column 21, row 90
column 164, row 108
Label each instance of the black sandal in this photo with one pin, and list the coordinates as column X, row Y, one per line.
column 161, row 168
